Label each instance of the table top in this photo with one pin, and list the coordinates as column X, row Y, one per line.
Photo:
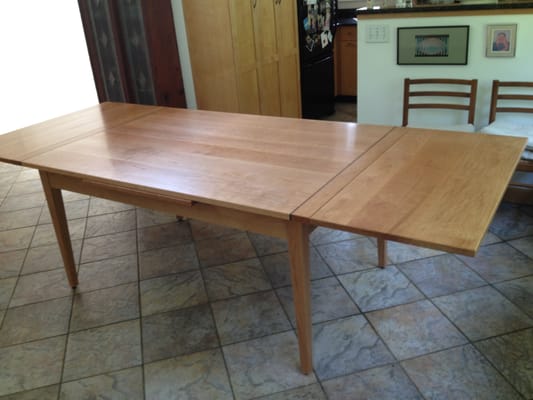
column 432, row 188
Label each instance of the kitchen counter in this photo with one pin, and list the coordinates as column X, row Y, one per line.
column 424, row 6
column 346, row 17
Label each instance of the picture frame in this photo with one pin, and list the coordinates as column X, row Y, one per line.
column 432, row 45
column 501, row 40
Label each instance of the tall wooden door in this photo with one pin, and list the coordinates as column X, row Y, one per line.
column 211, row 51
column 266, row 53
column 288, row 56
column 243, row 38
column 133, row 50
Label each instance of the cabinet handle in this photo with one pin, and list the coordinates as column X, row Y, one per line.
column 254, row 4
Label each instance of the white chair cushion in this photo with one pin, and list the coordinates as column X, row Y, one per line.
column 455, row 128
column 527, row 155
column 512, row 129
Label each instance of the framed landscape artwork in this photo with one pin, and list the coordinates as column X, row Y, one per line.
column 433, row 45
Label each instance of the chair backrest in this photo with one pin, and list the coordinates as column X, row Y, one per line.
column 455, row 90
column 520, row 93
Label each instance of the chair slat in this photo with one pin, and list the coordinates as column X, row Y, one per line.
column 449, row 92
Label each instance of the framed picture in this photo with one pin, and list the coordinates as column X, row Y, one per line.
column 501, row 40
column 433, row 45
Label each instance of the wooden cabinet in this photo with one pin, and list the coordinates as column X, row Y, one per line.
column 244, row 55
column 133, row 51
column 346, row 61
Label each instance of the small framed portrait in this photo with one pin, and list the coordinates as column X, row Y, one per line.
column 501, row 40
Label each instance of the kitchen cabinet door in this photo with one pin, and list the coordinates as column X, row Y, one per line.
column 266, row 52
column 346, row 61
column 289, row 58
column 211, row 52
column 244, row 55
column 242, row 31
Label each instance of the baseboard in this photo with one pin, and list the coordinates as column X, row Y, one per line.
column 346, row 99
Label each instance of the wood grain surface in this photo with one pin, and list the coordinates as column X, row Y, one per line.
column 431, row 188
column 259, row 164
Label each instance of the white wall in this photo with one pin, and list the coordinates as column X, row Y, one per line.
column 183, row 48
column 380, row 80
column 45, row 69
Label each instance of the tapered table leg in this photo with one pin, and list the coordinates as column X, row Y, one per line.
column 382, row 252
column 298, row 239
column 59, row 220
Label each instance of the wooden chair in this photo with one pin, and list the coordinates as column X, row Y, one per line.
column 422, row 94
column 511, row 101
column 442, row 94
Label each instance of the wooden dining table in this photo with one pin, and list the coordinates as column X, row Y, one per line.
column 275, row 176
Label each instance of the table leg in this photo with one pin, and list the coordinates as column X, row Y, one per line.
column 59, row 220
column 298, row 239
column 382, row 252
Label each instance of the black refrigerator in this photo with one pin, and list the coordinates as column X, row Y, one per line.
column 316, row 26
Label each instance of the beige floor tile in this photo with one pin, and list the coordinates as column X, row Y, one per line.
column 202, row 375
column 108, row 246
column 30, row 200
column 168, row 260
column 44, row 393
column 167, row 235
column 278, row 269
column 121, row 385
column 40, row 287
column 520, row 292
column 235, row 279
column 11, row 263
column 102, row 206
column 105, row 349
column 378, row 288
column 440, row 275
column 178, row 332
column 6, row 290
column 31, row 365
column 347, row 345
column 384, row 383
column 248, row 317
column 107, row 273
column 499, row 262
column 414, row 329
column 329, row 301
column 105, row 306
column 35, row 321
column 16, row 239
column 511, row 355
column 172, row 292
column 48, row 257
column 19, row 219
column 106, row 224
column 74, row 210
column 265, row 366
column 45, row 234
column 482, row 313
column 224, row 249
column 349, row 255
column 461, row 372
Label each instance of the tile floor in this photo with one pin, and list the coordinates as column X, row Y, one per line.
column 345, row 111
column 186, row 310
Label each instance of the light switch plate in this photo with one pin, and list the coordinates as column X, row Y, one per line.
column 376, row 33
